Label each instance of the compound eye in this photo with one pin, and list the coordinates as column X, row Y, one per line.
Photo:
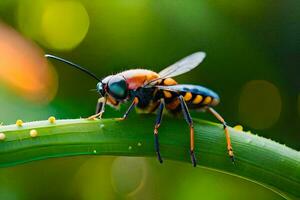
column 100, row 88
column 117, row 87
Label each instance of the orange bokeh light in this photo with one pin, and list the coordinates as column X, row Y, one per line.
column 23, row 67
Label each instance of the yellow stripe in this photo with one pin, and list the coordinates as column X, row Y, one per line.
column 215, row 102
column 167, row 94
column 188, row 96
column 170, row 81
column 197, row 99
column 207, row 100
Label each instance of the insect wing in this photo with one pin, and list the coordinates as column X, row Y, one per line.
column 168, row 88
column 182, row 66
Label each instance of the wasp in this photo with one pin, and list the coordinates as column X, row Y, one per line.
column 150, row 91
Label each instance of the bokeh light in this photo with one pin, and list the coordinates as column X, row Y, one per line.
column 68, row 31
column 23, row 67
column 44, row 22
column 259, row 104
column 128, row 174
column 110, row 36
column 92, row 180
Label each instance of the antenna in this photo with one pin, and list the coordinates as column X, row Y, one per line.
column 74, row 65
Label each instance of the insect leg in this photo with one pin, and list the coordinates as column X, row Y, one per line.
column 99, row 108
column 157, row 125
column 189, row 120
column 132, row 105
column 220, row 118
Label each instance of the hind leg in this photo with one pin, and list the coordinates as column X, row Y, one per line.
column 189, row 120
column 220, row 118
column 156, row 126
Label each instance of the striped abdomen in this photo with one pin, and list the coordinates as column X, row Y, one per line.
column 195, row 96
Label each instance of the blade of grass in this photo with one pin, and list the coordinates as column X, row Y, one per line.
column 261, row 160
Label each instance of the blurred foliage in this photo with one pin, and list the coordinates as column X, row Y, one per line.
column 244, row 40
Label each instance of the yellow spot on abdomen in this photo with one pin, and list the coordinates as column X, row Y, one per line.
column 167, row 94
column 170, row 81
column 207, row 100
column 33, row 133
column 188, row 96
column 19, row 122
column 197, row 99
column 215, row 102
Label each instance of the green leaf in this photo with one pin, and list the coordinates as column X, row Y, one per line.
column 260, row 160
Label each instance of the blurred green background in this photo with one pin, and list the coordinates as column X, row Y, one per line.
column 252, row 62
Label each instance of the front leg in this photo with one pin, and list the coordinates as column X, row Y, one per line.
column 132, row 105
column 100, row 108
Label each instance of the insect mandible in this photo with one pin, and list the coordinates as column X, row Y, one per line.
column 151, row 91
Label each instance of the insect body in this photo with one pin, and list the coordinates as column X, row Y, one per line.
column 150, row 91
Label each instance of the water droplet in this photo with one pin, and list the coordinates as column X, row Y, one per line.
column 52, row 119
column 2, row 136
column 238, row 128
column 19, row 122
column 33, row 133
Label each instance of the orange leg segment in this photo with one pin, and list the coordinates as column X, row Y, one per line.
column 220, row 118
column 189, row 120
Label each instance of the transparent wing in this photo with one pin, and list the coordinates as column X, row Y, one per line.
column 182, row 66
